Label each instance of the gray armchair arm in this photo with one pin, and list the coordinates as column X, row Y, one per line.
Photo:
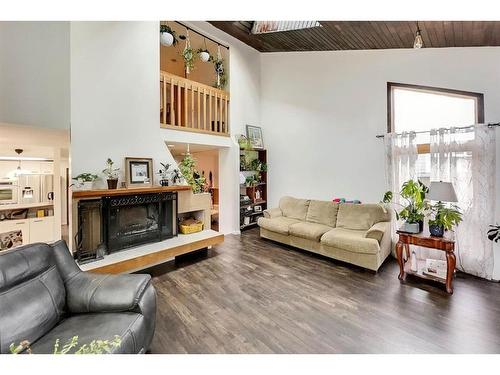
column 88, row 292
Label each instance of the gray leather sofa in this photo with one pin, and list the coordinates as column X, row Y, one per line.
column 45, row 296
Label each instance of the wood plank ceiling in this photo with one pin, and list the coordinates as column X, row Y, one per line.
column 356, row 35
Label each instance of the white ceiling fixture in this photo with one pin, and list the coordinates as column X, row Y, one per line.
column 262, row 27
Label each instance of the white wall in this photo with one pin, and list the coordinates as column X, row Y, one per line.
column 321, row 111
column 115, row 95
column 115, row 101
column 34, row 74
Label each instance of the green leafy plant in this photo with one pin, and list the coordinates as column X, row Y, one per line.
column 257, row 165
column 220, row 72
column 94, row 347
column 110, row 172
column 188, row 169
column 251, row 180
column 413, row 193
column 168, row 29
column 188, row 55
column 444, row 217
column 86, row 177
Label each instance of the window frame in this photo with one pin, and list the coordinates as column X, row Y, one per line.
column 424, row 148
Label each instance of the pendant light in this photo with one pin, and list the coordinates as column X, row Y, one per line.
column 18, row 171
column 418, row 43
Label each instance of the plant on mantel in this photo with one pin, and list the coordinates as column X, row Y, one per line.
column 111, row 174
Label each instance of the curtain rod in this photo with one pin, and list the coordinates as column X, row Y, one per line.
column 490, row 125
column 204, row 36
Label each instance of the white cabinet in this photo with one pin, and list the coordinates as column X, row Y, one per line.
column 42, row 229
column 17, row 225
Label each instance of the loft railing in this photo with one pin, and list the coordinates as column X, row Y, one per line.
column 192, row 106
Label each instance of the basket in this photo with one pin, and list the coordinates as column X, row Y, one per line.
column 190, row 226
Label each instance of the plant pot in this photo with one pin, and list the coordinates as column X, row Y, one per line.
column 410, row 228
column 112, row 183
column 87, row 185
column 204, row 56
column 166, row 39
column 164, row 182
column 436, row 230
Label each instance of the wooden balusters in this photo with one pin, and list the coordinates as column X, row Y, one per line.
column 184, row 109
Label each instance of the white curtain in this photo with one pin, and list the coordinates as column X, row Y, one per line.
column 466, row 158
column 401, row 158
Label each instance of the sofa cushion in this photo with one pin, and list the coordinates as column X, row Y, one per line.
column 279, row 224
column 309, row 231
column 294, row 208
column 360, row 216
column 322, row 212
column 350, row 240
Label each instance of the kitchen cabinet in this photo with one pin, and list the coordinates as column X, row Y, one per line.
column 39, row 229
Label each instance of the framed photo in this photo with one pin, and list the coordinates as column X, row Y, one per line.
column 257, row 208
column 139, row 172
column 254, row 134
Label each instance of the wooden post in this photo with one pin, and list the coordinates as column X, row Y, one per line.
column 204, row 109
column 192, row 106
column 226, row 116
column 172, row 102
column 179, row 122
column 185, row 104
column 209, row 110
column 221, row 126
column 164, row 99
column 199, row 114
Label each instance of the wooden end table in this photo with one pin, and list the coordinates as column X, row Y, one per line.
column 425, row 240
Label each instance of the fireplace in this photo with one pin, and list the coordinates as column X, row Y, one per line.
column 131, row 220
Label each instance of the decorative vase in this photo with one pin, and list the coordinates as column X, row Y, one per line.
column 112, row 183
column 164, row 182
column 436, row 230
column 413, row 261
column 166, row 39
column 204, row 56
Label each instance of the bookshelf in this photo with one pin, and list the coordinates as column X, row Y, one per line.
column 253, row 193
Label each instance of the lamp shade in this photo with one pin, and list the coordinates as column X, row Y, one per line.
column 442, row 191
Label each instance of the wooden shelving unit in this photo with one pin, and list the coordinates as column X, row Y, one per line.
column 257, row 193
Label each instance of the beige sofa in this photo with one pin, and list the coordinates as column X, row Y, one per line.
column 355, row 233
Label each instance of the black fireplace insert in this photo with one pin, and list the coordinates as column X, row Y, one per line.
column 132, row 220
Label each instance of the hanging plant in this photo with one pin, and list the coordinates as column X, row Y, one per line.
column 188, row 55
column 203, row 53
column 168, row 37
column 220, row 72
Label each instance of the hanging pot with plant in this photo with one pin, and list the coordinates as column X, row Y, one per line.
column 188, row 55
column 220, row 72
column 168, row 37
column 203, row 53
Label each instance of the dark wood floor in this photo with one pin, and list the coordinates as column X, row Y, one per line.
column 255, row 296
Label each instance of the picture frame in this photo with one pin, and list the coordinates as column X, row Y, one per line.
column 257, row 208
column 138, row 172
column 254, row 134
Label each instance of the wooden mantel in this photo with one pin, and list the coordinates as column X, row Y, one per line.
column 126, row 191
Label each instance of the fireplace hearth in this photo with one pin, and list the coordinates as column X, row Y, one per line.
column 131, row 220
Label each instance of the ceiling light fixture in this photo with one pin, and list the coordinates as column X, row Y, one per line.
column 418, row 43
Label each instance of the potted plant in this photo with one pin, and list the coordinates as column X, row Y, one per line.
column 204, row 54
column 85, row 180
column 111, row 174
column 444, row 218
column 168, row 36
column 188, row 169
column 188, row 56
column 220, row 72
column 164, row 173
column 413, row 211
column 176, row 177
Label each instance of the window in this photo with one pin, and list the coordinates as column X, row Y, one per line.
column 420, row 109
